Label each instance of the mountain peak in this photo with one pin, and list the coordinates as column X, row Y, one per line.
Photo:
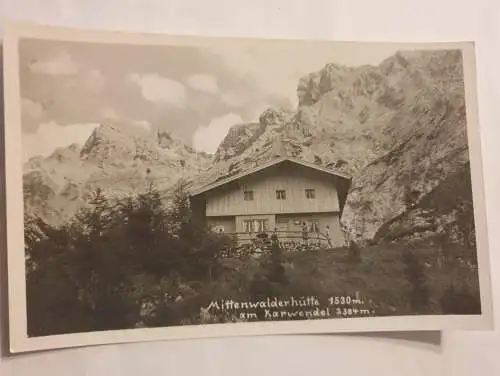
column 273, row 116
column 167, row 140
column 116, row 143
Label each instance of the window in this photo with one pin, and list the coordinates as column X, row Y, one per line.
column 314, row 225
column 255, row 225
column 281, row 220
column 248, row 195
column 248, row 224
column 280, row 194
column 310, row 193
column 261, row 225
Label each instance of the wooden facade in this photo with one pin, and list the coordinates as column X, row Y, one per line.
column 262, row 196
column 282, row 196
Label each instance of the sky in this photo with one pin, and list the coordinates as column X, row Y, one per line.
column 196, row 92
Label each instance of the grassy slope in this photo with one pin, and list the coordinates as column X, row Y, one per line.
column 380, row 276
column 379, row 279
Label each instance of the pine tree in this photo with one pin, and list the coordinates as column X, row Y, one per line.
column 180, row 210
column 97, row 216
column 52, row 288
column 102, row 264
column 152, row 208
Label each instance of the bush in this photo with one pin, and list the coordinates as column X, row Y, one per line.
column 354, row 253
column 414, row 272
column 460, row 301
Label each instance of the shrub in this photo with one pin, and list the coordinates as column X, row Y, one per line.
column 354, row 252
column 414, row 272
column 460, row 301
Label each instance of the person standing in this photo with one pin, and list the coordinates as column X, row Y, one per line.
column 275, row 247
column 274, row 238
column 348, row 236
column 305, row 233
column 327, row 235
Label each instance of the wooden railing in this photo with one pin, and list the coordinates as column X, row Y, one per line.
column 287, row 240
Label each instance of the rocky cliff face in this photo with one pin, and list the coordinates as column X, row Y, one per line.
column 395, row 128
column 119, row 158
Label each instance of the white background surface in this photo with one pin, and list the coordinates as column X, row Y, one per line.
column 456, row 353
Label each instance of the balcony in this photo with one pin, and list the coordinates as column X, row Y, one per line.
column 287, row 241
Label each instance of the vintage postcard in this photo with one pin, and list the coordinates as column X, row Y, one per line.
column 174, row 187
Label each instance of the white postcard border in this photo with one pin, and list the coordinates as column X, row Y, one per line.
column 19, row 342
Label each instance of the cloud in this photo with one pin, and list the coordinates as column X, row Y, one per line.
column 31, row 109
column 32, row 114
column 156, row 88
column 144, row 124
column 109, row 113
column 94, row 80
column 208, row 137
column 59, row 65
column 203, row 82
column 90, row 81
column 51, row 136
column 271, row 71
column 234, row 99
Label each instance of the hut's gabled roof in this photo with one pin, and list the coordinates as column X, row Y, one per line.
column 344, row 181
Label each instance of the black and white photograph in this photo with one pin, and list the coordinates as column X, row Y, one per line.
column 228, row 186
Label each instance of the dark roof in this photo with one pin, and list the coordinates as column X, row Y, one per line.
column 343, row 186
